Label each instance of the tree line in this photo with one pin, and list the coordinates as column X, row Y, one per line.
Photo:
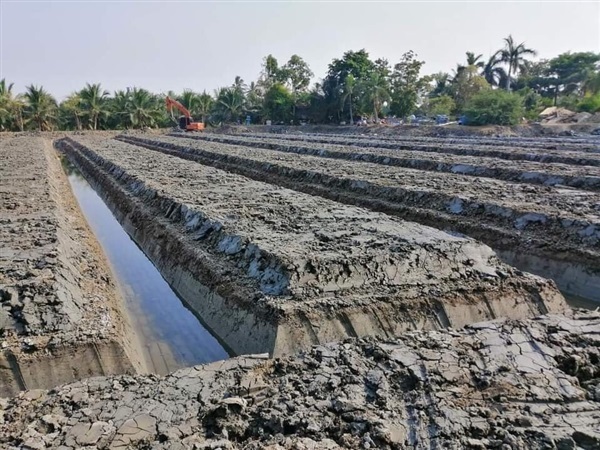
column 501, row 89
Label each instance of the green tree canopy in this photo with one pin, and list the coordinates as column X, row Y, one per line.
column 93, row 102
column 406, row 85
column 514, row 55
column 569, row 72
column 40, row 107
column 279, row 103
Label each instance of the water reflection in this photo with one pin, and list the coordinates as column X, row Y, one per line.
column 171, row 336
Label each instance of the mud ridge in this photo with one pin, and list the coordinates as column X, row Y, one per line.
column 586, row 177
column 529, row 229
column 540, row 145
column 282, row 272
column 543, row 143
column 61, row 317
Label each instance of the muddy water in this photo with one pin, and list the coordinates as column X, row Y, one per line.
column 170, row 335
column 580, row 302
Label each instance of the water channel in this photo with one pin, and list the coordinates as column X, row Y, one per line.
column 170, row 335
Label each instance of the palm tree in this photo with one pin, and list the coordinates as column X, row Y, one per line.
column 40, row 107
column 441, row 84
column 238, row 83
column 514, row 56
column 143, row 108
column 71, row 107
column 6, row 99
column 120, row 107
column 376, row 91
column 493, row 72
column 205, row 104
column 349, row 89
column 458, row 72
column 229, row 103
column 474, row 61
column 94, row 102
column 189, row 99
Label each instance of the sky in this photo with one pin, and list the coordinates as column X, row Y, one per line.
column 172, row 45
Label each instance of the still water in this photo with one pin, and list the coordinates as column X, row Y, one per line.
column 170, row 335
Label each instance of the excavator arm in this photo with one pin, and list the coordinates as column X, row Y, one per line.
column 175, row 104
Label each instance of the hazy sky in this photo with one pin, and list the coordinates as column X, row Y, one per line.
column 171, row 45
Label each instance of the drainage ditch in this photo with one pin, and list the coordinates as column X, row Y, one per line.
column 170, row 335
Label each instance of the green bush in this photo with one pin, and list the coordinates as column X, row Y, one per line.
column 494, row 107
column 590, row 104
column 443, row 104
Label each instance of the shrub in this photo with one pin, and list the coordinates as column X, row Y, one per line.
column 494, row 107
column 590, row 104
column 443, row 104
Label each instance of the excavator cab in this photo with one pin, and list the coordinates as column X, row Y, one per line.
column 184, row 122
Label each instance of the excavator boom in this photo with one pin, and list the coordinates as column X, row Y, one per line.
column 175, row 104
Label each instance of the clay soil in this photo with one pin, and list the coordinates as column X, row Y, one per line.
column 510, row 205
column 521, row 385
column 60, row 316
column 411, row 337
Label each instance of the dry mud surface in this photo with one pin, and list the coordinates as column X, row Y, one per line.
column 498, row 385
column 571, row 168
column 557, row 224
column 275, row 270
column 60, row 316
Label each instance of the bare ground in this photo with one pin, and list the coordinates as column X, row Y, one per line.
column 60, row 314
column 506, row 384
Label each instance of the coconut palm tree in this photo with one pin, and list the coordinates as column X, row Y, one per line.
column 94, row 103
column 442, row 84
column 375, row 91
column 493, row 72
column 205, row 104
column 6, row 98
column 475, row 61
column 514, row 56
column 349, row 89
column 229, row 103
column 239, row 83
column 11, row 108
column 120, row 109
column 40, row 107
column 189, row 99
column 143, row 108
column 71, row 108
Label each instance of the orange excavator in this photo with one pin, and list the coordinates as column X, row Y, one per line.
column 185, row 121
